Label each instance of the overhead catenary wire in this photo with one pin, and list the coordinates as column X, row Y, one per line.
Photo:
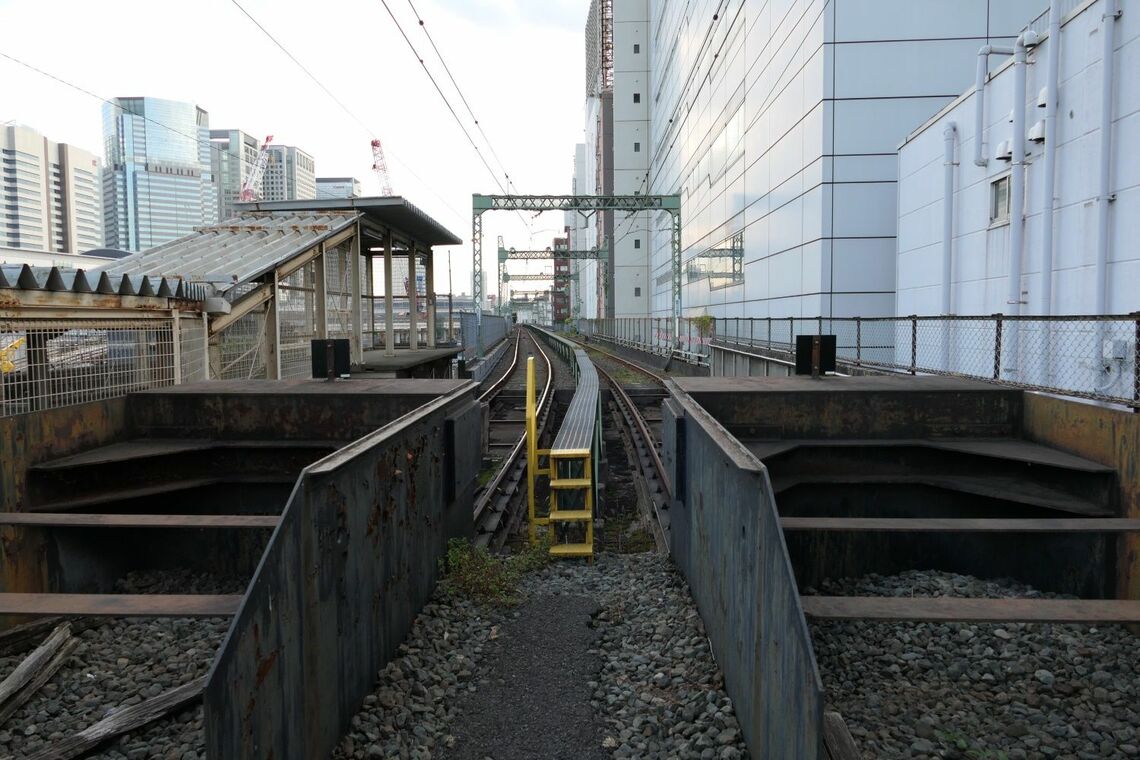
column 462, row 97
column 344, row 107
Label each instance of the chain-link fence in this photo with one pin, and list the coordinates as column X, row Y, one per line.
column 51, row 363
column 1093, row 357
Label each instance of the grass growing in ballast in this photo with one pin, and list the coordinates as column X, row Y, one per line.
column 477, row 574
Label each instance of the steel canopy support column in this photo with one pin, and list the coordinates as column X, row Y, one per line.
column 321, row 295
column 389, row 321
column 477, row 286
column 429, row 297
column 357, row 301
column 676, row 254
column 413, row 301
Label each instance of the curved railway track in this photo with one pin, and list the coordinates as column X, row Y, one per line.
column 492, row 503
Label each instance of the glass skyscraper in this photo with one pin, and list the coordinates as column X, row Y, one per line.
column 158, row 184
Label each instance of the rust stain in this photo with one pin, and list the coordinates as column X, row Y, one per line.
column 265, row 665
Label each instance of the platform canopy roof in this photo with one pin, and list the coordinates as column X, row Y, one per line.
column 264, row 237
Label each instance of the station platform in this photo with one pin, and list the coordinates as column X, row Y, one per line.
column 405, row 363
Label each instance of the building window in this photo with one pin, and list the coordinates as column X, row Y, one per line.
column 637, row 97
column 637, row 147
column 637, row 292
column 637, row 242
column 636, row 48
column 999, row 201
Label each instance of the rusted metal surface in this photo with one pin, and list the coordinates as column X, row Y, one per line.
column 867, row 407
column 1105, row 435
column 726, row 539
column 118, row 605
column 352, row 562
column 961, row 525
column 963, row 610
column 103, row 520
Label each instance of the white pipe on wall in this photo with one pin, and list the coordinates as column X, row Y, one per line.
column 1052, row 87
column 979, row 97
column 1104, row 187
column 1017, row 199
column 949, row 136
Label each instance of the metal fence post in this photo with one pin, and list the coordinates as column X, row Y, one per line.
column 858, row 341
column 997, row 346
column 1136, row 364
column 791, row 334
column 913, row 344
column 819, row 326
column 752, row 332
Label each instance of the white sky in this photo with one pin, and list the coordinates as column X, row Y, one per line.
column 519, row 63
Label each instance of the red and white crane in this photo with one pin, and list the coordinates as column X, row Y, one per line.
column 380, row 166
column 248, row 193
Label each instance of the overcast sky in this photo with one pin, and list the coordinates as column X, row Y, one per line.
column 519, row 63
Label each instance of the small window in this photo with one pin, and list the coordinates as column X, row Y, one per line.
column 637, row 147
column 637, row 292
column 637, row 242
column 636, row 48
column 637, row 97
column 999, row 201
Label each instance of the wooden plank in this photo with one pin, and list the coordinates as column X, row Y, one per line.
column 840, row 745
column 41, row 677
column 959, row 610
column 25, row 636
column 28, row 667
column 120, row 605
column 124, row 721
column 961, row 525
column 100, row 520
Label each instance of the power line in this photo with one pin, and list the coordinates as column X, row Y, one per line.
column 343, row 107
column 459, row 90
column 446, row 102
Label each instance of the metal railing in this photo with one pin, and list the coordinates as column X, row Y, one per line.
column 52, row 363
column 1094, row 357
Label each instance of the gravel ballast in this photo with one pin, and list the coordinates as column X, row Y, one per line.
column 641, row 679
column 925, row 690
column 121, row 662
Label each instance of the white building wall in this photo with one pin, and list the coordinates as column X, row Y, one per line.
column 781, row 119
column 631, row 284
column 980, row 253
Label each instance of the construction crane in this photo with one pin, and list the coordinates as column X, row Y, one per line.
column 247, row 189
column 380, row 166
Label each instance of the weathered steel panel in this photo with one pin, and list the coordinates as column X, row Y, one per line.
column 353, row 561
column 726, row 539
column 1105, row 435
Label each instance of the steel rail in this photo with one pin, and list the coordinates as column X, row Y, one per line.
column 498, row 384
column 494, row 487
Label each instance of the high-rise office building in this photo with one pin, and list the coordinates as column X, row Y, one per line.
column 232, row 161
column 50, row 198
column 338, row 187
column 290, row 175
column 158, row 184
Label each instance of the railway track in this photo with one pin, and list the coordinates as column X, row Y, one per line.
column 506, row 398
column 642, row 431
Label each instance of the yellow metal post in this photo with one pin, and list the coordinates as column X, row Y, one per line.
column 531, row 448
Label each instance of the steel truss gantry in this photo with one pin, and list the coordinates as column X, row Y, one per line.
column 483, row 203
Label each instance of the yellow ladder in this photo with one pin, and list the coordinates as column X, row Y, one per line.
column 576, row 479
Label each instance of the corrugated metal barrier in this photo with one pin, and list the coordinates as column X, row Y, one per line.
column 726, row 539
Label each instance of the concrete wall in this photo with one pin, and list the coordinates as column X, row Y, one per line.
column 981, row 250
column 726, row 539
column 351, row 564
column 782, row 120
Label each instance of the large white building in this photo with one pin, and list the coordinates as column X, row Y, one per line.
column 338, row 187
column 50, row 194
column 232, row 160
column 1091, row 264
column 290, row 175
column 158, row 181
column 778, row 123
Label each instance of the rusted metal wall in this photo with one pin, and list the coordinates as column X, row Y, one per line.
column 352, row 562
column 1106, row 435
column 26, row 439
column 725, row 537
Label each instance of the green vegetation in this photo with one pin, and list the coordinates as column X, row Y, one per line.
column 474, row 572
column 703, row 323
column 958, row 741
